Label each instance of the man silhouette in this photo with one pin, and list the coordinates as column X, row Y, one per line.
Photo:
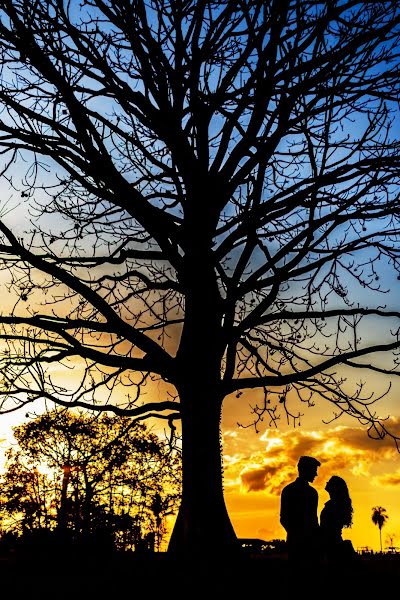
column 299, row 516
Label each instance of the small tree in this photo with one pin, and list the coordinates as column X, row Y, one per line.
column 390, row 538
column 379, row 518
column 81, row 475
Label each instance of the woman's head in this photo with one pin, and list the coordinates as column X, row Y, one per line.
column 339, row 493
column 337, row 486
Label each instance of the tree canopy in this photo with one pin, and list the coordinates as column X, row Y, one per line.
column 83, row 477
column 212, row 190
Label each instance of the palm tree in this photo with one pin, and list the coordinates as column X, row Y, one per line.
column 379, row 517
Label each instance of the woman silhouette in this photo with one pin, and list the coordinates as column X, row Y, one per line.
column 336, row 515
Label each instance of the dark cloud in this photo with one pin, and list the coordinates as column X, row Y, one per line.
column 259, row 479
column 391, row 479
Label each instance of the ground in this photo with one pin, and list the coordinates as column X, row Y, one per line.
column 160, row 576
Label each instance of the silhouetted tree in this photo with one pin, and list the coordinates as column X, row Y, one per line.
column 213, row 195
column 390, row 537
column 379, row 518
column 84, row 476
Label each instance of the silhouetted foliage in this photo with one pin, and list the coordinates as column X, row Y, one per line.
column 212, row 190
column 103, row 480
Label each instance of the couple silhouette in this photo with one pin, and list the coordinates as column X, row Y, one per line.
column 312, row 541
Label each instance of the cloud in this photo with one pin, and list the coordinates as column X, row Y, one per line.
column 388, row 480
column 258, row 465
column 265, row 463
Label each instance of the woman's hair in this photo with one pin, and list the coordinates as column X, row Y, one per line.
column 339, row 493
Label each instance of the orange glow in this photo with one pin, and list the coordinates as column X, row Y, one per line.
column 257, row 466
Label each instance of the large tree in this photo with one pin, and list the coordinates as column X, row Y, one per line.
column 213, row 192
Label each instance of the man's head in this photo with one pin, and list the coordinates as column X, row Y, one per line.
column 307, row 467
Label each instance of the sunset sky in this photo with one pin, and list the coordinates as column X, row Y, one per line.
column 302, row 229
column 257, row 466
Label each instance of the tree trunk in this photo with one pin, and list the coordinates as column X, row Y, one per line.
column 203, row 527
